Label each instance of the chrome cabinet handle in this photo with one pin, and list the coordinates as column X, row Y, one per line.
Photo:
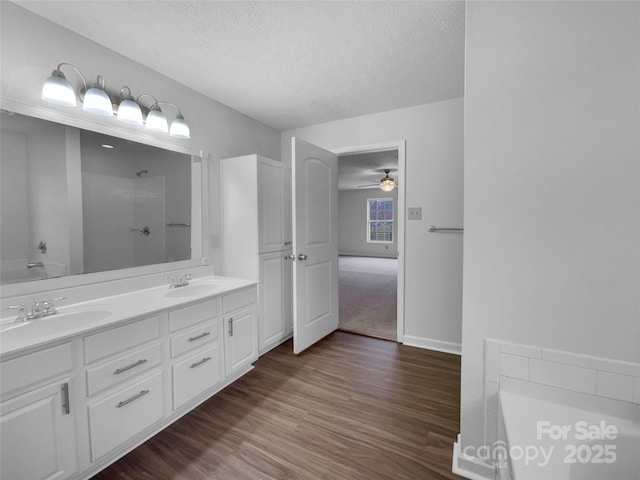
column 197, row 364
column 132, row 399
column 66, row 406
column 198, row 337
column 302, row 257
column 231, row 327
column 129, row 367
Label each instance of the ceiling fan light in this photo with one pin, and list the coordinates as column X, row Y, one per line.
column 179, row 128
column 97, row 101
column 57, row 90
column 387, row 185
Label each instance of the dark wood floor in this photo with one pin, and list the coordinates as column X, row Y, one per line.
column 349, row 408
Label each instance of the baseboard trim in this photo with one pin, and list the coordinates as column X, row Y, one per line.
column 375, row 255
column 470, row 467
column 431, row 344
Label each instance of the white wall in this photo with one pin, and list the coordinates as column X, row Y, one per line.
column 352, row 224
column 552, row 183
column 434, row 146
column 32, row 47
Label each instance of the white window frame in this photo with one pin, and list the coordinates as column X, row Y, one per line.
column 392, row 220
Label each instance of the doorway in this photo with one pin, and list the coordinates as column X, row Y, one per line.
column 371, row 240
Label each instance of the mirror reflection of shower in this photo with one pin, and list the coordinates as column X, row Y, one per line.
column 141, row 172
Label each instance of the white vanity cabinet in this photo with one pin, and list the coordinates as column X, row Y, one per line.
column 257, row 237
column 196, row 350
column 124, row 373
column 70, row 408
column 275, row 308
column 240, row 331
column 37, row 420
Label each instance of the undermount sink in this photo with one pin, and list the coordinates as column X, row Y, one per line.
column 51, row 324
column 193, row 290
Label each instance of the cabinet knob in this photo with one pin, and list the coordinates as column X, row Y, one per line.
column 302, row 257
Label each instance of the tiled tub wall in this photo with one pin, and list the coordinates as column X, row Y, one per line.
column 580, row 373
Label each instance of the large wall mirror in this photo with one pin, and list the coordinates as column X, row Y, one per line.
column 75, row 201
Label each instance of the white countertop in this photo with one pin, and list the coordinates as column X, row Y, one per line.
column 82, row 318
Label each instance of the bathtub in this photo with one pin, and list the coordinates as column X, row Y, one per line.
column 556, row 434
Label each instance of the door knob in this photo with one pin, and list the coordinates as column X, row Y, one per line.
column 302, row 257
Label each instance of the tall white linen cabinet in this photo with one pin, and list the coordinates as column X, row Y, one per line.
column 257, row 238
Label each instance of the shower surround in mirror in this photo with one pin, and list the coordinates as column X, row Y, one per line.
column 100, row 203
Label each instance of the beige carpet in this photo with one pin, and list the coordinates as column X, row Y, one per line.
column 368, row 296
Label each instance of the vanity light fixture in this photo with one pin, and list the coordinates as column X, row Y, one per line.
column 128, row 110
column 156, row 120
column 58, row 90
column 97, row 100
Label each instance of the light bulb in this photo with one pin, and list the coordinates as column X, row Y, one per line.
column 97, row 101
column 156, row 120
column 129, row 112
column 57, row 90
column 179, row 128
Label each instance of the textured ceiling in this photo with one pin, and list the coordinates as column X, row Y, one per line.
column 290, row 63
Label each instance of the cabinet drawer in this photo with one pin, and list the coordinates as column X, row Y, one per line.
column 120, row 416
column 187, row 316
column 36, row 367
column 196, row 374
column 194, row 337
column 122, row 368
column 237, row 300
column 119, row 339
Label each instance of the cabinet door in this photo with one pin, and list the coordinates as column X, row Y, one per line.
column 271, row 196
column 271, row 319
column 241, row 340
column 37, row 435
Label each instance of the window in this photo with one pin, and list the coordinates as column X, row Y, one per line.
column 379, row 220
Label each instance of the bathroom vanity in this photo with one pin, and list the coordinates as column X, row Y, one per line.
column 86, row 385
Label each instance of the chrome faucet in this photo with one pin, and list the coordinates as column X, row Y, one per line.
column 179, row 280
column 39, row 309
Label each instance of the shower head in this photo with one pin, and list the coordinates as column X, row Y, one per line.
column 141, row 172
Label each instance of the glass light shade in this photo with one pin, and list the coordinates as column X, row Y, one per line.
column 157, row 121
column 129, row 112
column 179, row 128
column 58, row 90
column 97, row 101
column 387, row 185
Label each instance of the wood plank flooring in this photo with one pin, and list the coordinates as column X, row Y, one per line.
column 350, row 407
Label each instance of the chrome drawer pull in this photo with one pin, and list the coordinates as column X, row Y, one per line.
column 197, row 364
column 66, row 407
column 135, row 397
column 198, row 337
column 129, row 367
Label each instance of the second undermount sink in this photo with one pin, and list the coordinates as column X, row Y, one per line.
column 193, row 290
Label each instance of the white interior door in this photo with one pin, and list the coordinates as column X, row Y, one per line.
column 315, row 243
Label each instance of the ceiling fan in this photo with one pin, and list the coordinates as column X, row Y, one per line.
column 386, row 183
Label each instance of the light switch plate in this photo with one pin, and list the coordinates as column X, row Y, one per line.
column 415, row 213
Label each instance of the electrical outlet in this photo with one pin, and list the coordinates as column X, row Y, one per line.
column 415, row 213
